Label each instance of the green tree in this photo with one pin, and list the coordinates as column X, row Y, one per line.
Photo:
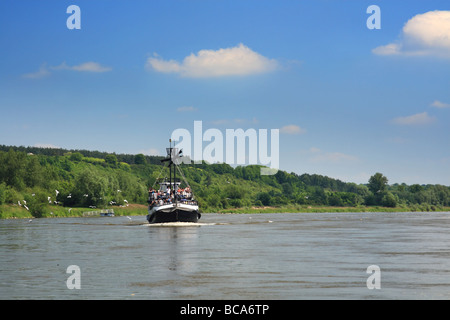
column 12, row 168
column 377, row 183
column 76, row 156
column 34, row 173
column 264, row 197
column 90, row 187
column 234, row 192
column 2, row 193
column 287, row 188
column 111, row 159
column 335, row 200
column 140, row 159
column 389, row 200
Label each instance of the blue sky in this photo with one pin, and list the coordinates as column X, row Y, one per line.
column 349, row 101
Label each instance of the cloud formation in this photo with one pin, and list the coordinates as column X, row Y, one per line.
column 46, row 145
column 424, row 34
column 235, row 61
column 83, row 67
column 440, row 105
column 292, row 129
column 418, row 119
column 44, row 71
column 150, row 152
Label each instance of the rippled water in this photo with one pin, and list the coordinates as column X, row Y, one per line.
column 260, row 256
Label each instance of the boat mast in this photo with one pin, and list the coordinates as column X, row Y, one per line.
column 171, row 162
column 174, row 179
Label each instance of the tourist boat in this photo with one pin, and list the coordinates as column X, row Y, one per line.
column 170, row 203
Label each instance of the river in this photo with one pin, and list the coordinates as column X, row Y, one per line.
column 229, row 256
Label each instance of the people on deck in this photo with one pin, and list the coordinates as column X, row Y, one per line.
column 159, row 198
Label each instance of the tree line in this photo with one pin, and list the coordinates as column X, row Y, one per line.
column 46, row 177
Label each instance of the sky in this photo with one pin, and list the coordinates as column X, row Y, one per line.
column 352, row 91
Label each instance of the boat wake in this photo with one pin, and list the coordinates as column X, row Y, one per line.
column 180, row 224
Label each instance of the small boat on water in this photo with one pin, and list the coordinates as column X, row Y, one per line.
column 170, row 203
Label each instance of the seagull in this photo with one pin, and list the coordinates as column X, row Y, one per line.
column 30, row 220
column 33, row 194
column 86, row 195
column 48, row 198
column 70, row 209
column 129, row 218
column 19, row 203
column 26, row 207
column 56, row 192
column 125, row 201
column 24, row 201
column 118, row 190
column 69, row 196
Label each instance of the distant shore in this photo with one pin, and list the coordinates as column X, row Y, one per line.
column 324, row 209
column 16, row 212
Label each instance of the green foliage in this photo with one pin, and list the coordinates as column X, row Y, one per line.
column 95, row 179
column 111, row 159
column 140, row 159
column 377, row 183
column 76, row 156
column 389, row 200
column 2, row 193
column 264, row 198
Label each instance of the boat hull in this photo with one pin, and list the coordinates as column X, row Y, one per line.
column 173, row 214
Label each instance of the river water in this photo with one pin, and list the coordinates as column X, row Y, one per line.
column 258, row 256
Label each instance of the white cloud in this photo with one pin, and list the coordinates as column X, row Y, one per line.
column 415, row 119
column 439, row 104
column 46, row 145
column 319, row 156
column 187, row 109
column 91, row 67
column 43, row 72
column 235, row 61
column 292, row 129
column 83, row 67
column 150, row 152
column 423, row 34
column 387, row 50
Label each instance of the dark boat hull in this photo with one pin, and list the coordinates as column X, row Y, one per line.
column 177, row 215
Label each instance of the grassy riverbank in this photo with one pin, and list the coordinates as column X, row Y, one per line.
column 16, row 212
column 318, row 209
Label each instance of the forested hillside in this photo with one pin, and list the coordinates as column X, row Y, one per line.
column 38, row 179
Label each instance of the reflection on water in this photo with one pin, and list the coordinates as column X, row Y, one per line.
column 264, row 256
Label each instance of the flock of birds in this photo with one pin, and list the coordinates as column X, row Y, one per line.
column 24, row 202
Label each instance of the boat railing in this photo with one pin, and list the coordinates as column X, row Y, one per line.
column 166, row 201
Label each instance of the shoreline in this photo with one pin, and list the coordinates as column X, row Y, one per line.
column 15, row 212
column 331, row 209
